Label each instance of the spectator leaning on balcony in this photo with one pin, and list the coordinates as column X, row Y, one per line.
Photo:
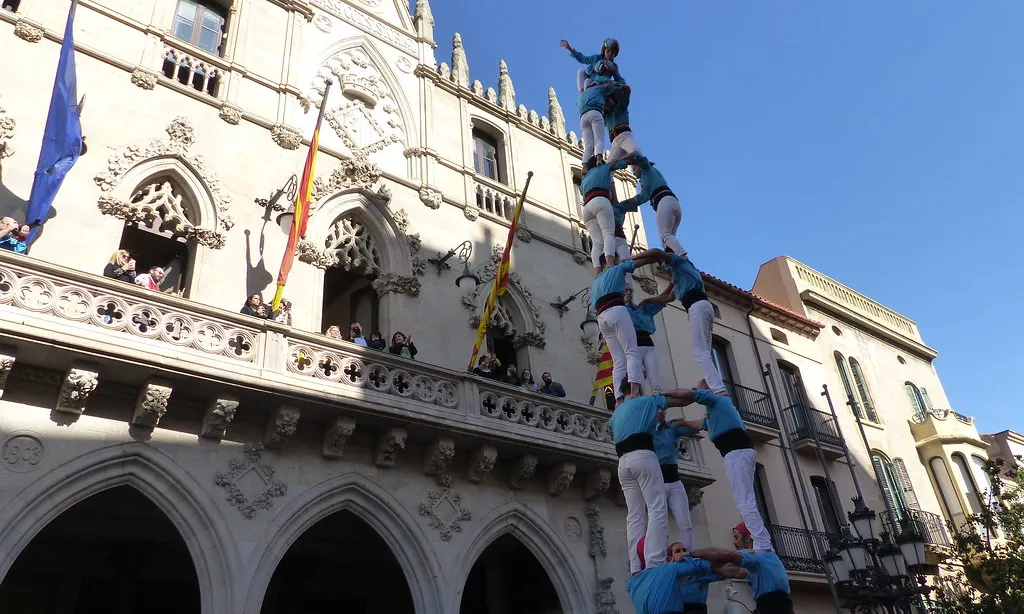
column 512, row 376
column 151, row 280
column 13, row 235
column 550, row 386
column 377, row 341
column 527, row 378
column 284, row 314
column 402, row 346
column 254, row 307
column 334, row 332
column 355, row 334
column 121, row 266
column 767, row 575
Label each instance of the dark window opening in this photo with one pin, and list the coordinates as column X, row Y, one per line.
column 349, row 297
column 779, row 336
column 508, row 578
column 824, row 495
column 11, row 5
column 151, row 248
column 200, row 23
column 762, row 493
column 485, row 155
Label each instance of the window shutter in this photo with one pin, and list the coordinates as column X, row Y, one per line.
column 843, row 375
column 862, row 390
column 927, row 402
column 912, row 395
column 905, row 483
column 884, row 482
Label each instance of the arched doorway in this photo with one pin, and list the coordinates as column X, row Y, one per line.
column 501, row 339
column 159, row 238
column 349, row 295
column 339, row 565
column 508, row 579
column 115, row 552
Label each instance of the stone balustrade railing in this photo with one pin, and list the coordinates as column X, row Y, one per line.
column 64, row 308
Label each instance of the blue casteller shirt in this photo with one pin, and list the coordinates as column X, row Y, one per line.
column 651, row 179
column 765, row 573
column 13, row 244
column 685, row 276
column 620, row 210
column 639, row 415
column 611, row 281
column 600, row 177
column 643, row 316
column 656, row 590
column 666, row 442
column 619, row 114
column 591, row 62
column 721, row 416
column 591, row 99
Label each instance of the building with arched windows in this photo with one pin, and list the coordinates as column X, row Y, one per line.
column 186, row 457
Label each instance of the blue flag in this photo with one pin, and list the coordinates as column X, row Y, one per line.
column 62, row 138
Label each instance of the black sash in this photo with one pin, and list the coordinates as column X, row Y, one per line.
column 636, row 441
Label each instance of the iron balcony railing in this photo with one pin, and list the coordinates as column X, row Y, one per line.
column 926, row 524
column 753, row 405
column 801, row 549
column 805, row 422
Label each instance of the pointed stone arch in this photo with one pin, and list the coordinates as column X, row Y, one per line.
column 374, row 112
column 516, row 519
column 128, row 171
column 517, row 304
column 162, row 480
column 375, row 506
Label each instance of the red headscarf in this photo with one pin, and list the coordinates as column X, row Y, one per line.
column 742, row 529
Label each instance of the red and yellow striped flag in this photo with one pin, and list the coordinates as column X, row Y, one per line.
column 302, row 202
column 604, row 370
column 501, row 276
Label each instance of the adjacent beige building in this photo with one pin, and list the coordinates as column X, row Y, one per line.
column 189, row 458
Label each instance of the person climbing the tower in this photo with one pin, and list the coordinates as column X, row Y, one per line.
column 689, row 289
column 598, row 214
column 768, row 579
column 600, row 69
column 666, row 447
column 667, row 212
column 622, row 250
column 633, row 425
column 616, row 120
column 642, row 316
column 608, row 293
column 678, row 586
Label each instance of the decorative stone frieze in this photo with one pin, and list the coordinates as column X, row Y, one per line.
column 592, row 349
column 471, row 212
column 529, row 410
column 580, row 257
column 482, row 463
column 335, row 436
column 144, row 78
column 252, row 461
column 438, row 456
column 388, row 446
column 283, row 423
column 444, row 512
column 431, row 197
column 598, row 482
column 350, row 173
column 28, row 30
column 219, row 414
column 560, row 477
column 286, row 137
column 648, row 284
column 7, row 126
column 391, row 282
column 231, row 114
column 78, row 384
column 604, row 598
column 151, row 404
column 522, row 470
column 597, row 543
column 523, row 234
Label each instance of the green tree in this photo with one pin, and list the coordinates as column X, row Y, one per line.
column 990, row 547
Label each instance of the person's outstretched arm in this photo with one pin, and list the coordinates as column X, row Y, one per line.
column 680, row 397
column 718, row 556
column 650, row 257
column 667, row 296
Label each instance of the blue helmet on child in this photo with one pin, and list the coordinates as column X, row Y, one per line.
column 611, row 43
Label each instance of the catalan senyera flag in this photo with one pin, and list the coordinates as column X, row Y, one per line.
column 302, row 201
column 501, row 277
column 604, row 371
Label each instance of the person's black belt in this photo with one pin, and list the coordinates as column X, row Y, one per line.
column 694, row 607
column 619, row 232
column 692, row 296
column 670, row 473
column 644, row 340
column 636, row 441
column 608, row 301
column 732, row 440
column 617, row 130
column 775, row 602
column 592, row 194
column 660, row 193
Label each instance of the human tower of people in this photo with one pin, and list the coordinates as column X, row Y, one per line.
column 665, row 579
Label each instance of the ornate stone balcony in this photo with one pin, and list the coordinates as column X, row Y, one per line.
column 174, row 355
column 945, row 426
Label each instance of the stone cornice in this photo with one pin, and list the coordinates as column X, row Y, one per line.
column 828, row 305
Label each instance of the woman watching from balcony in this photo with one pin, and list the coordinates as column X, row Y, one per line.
column 377, row 341
column 334, row 332
column 402, row 346
column 254, row 307
column 121, row 267
column 527, row 377
column 512, row 376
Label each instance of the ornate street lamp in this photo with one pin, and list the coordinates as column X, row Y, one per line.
column 462, row 252
column 837, row 565
column 281, row 201
column 563, row 306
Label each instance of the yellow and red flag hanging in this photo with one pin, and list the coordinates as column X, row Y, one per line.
column 604, row 371
column 501, row 276
column 302, row 202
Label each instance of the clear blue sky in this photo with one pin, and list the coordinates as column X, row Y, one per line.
column 881, row 143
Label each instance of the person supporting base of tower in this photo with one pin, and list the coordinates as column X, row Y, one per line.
column 768, row 579
column 680, row 586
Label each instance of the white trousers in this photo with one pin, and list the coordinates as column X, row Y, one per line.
column 592, row 127
column 740, row 466
column 702, row 319
column 622, row 251
column 599, row 218
column 667, row 217
column 623, row 145
column 617, row 328
column 644, row 491
column 679, row 506
column 649, row 360
column 581, row 79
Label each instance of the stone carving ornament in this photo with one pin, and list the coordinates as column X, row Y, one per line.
column 471, row 301
column 444, row 512
column 555, row 111
column 388, row 446
column 78, row 384
column 351, row 173
column 522, row 471
column 28, row 31
column 431, row 197
column 592, row 348
column 219, row 415
column 438, row 456
column 146, row 79
column 252, row 461
column 597, row 543
column 151, row 404
column 482, row 463
column 282, row 425
column 6, row 365
column 573, row 529
column 529, row 411
column 335, row 437
column 7, row 126
column 604, row 598
column 560, row 477
column 286, row 137
column 231, row 114
column 22, row 453
column 181, row 138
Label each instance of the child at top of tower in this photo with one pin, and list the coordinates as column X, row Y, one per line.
column 601, row 70
column 609, row 51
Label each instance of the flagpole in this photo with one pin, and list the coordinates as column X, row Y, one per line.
column 501, row 275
